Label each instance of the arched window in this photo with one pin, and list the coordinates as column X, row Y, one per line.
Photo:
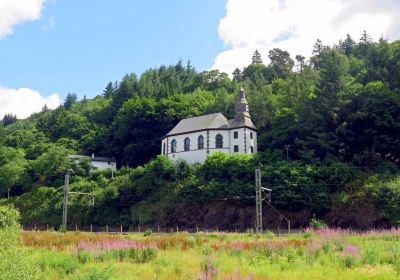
column 219, row 141
column 173, row 146
column 200, row 142
column 186, row 144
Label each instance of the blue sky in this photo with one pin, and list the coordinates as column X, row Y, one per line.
column 78, row 46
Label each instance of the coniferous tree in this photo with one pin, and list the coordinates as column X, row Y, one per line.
column 301, row 60
column 317, row 50
column 365, row 39
column 347, row 45
column 9, row 119
column 318, row 47
column 70, row 100
column 45, row 108
column 256, row 58
column 109, row 90
column 237, row 75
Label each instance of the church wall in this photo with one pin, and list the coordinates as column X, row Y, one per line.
column 239, row 141
column 226, row 140
column 194, row 154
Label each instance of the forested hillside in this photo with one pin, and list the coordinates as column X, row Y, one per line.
column 328, row 132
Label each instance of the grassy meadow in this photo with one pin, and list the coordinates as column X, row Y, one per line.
column 317, row 254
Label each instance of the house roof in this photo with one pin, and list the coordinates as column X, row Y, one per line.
column 211, row 121
column 107, row 159
column 102, row 159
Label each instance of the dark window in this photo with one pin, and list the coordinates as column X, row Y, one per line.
column 173, row 146
column 187, row 144
column 236, row 148
column 163, row 149
column 251, row 135
column 200, row 142
column 235, row 135
column 251, row 149
column 219, row 141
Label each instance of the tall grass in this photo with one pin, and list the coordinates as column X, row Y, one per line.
column 316, row 254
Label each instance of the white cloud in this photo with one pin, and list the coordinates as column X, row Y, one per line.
column 13, row 12
column 295, row 25
column 24, row 101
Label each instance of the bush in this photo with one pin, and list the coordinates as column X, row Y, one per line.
column 317, row 223
column 62, row 262
column 348, row 261
column 131, row 254
column 14, row 263
column 97, row 274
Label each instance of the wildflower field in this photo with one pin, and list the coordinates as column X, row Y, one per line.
column 313, row 254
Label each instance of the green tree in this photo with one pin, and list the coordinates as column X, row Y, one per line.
column 347, row 45
column 70, row 100
column 109, row 90
column 237, row 75
column 51, row 166
column 9, row 119
column 281, row 63
column 256, row 58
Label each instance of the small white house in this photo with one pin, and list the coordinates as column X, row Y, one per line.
column 195, row 138
column 100, row 163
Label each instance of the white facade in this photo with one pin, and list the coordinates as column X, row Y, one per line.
column 239, row 135
column 246, row 143
column 99, row 163
column 102, row 165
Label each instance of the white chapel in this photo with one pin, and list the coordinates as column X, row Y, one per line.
column 195, row 138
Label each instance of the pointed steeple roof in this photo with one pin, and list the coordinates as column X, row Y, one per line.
column 242, row 107
column 242, row 116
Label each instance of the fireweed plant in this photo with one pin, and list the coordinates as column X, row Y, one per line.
column 311, row 254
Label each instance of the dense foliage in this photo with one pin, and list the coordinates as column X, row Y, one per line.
column 328, row 133
column 14, row 261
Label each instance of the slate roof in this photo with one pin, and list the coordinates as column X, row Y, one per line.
column 244, row 121
column 211, row 121
column 102, row 159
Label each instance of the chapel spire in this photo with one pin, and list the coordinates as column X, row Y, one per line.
column 242, row 107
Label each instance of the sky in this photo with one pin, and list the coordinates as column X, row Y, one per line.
column 49, row 48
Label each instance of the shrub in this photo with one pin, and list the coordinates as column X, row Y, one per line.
column 269, row 234
column 347, row 261
column 95, row 273
column 148, row 232
column 84, row 256
column 14, row 262
column 136, row 255
column 317, row 223
column 62, row 262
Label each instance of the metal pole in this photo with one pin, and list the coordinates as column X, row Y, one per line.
column 259, row 228
column 65, row 203
column 8, row 193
